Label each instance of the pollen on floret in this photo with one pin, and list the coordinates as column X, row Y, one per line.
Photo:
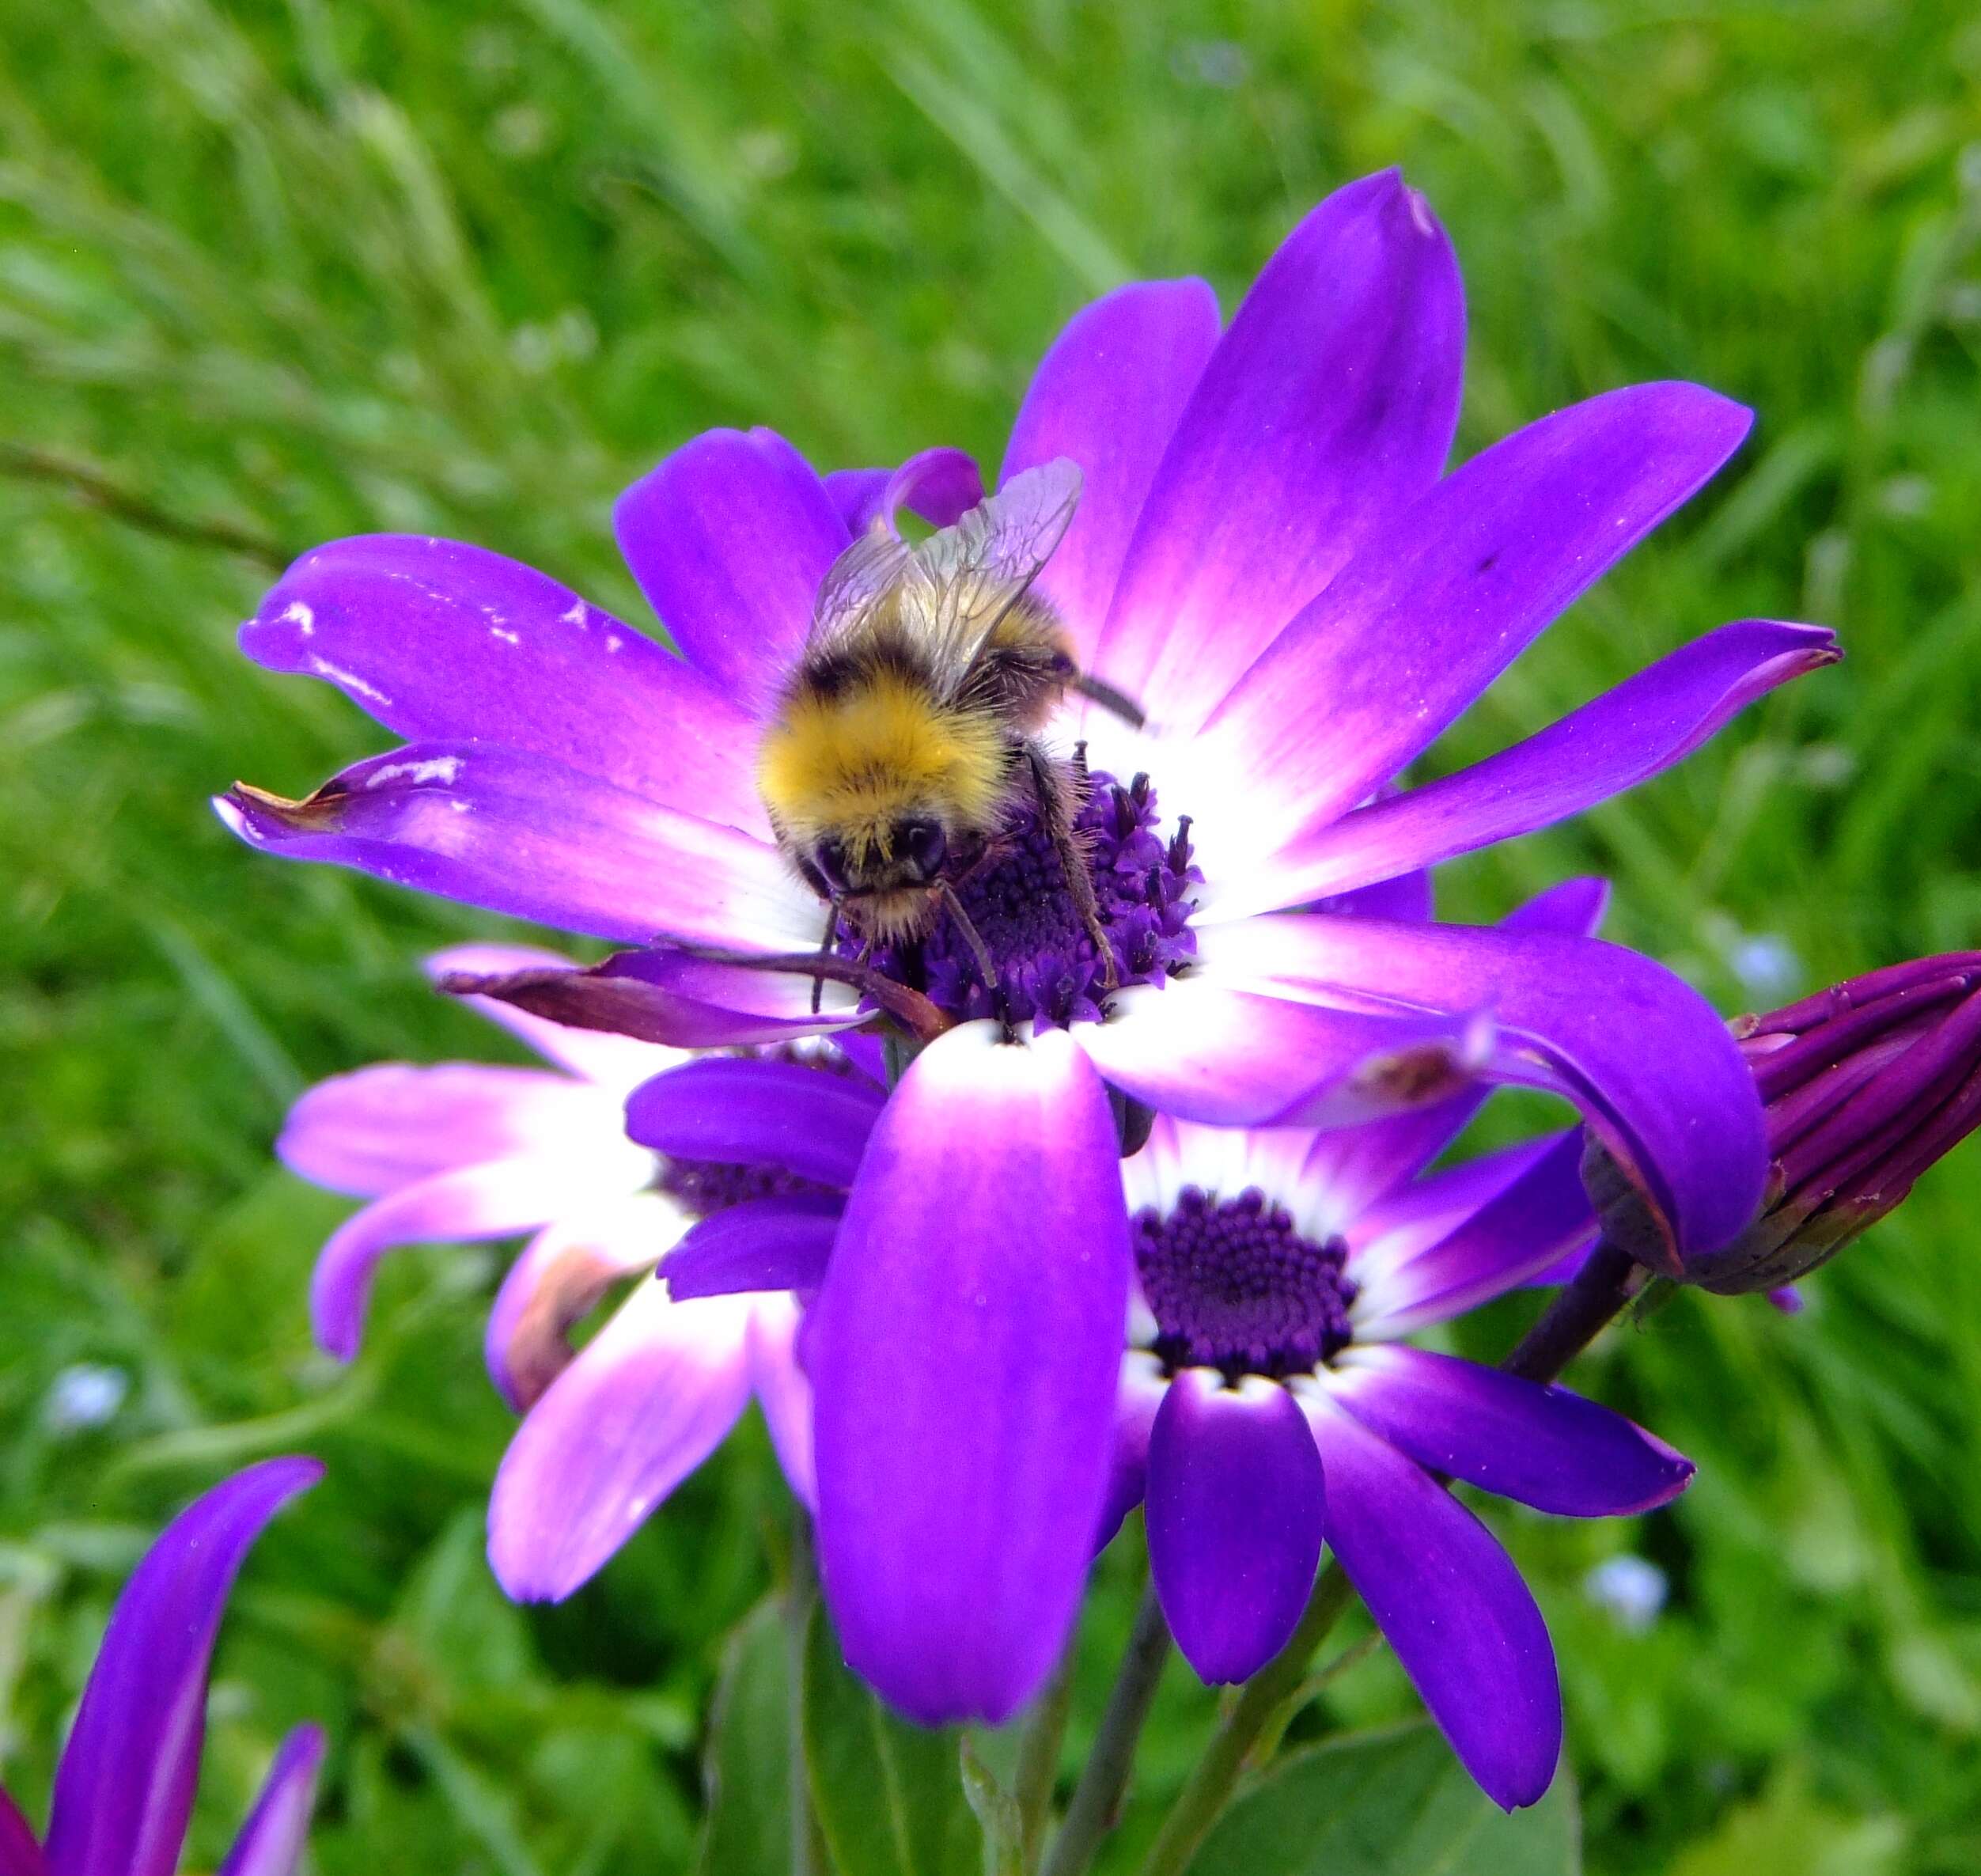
column 874, row 751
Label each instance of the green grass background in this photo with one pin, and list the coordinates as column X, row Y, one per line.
column 272, row 273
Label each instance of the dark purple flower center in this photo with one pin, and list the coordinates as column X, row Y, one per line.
column 1234, row 1284
column 1047, row 968
column 706, row 1186
column 703, row 1187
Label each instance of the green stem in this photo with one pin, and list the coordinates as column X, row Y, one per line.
column 1578, row 1314
column 1251, row 1713
column 1038, row 1769
column 799, row 1590
column 1096, row 1799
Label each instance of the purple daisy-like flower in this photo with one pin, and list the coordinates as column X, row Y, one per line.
column 758, row 1155
column 1271, row 1404
column 124, row 1788
column 1268, row 557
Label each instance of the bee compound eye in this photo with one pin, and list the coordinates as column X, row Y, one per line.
column 829, row 861
column 922, row 845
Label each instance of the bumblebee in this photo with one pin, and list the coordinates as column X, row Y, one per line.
column 909, row 732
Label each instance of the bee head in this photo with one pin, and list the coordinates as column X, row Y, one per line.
column 920, row 847
column 909, row 852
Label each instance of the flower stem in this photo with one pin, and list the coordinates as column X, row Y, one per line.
column 799, row 1590
column 1038, row 1770
column 1578, row 1313
column 1203, row 1797
column 1097, row 1798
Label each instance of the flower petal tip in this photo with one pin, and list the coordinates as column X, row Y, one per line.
column 233, row 814
column 289, row 1475
column 1711, row 412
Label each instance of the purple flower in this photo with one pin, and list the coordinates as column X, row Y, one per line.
column 124, row 1789
column 1865, row 1084
column 1271, row 1404
column 1267, row 556
column 1268, row 1402
column 759, row 1154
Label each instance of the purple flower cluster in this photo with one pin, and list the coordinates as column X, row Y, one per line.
column 1048, row 971
column 886, row 1197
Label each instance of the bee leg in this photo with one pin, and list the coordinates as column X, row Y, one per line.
column 1056, row 814
column 825, row 950
column 945, row 897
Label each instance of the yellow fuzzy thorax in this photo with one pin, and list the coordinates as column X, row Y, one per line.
column 857, row 761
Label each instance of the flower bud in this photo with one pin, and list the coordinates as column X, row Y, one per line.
column 1864, row 1085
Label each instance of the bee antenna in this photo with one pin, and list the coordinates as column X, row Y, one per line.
column 1115, row 703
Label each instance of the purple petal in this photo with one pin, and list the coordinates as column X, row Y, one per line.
column 763, row 1244
column 648, row 1399
column 393, row 1124
column 730, row 539
column 1626, row 736
column 1205, row 1051
column 664, row 996
column 1235, row 1512
column 857, row 494
column 965, row 1351
column 271, row 1842
column 524, row 835
column 1108, row 395
column 1358, row 1166
column 1443, row 597
column 1422, row 1211
column 1404, row 896
column 757, row 1112
column 1515, row 1234
column 1541, row 1445
column 20, row 1855
column 1451, row 1603
column 616, row 1062
column 561, row 1276
column 783, row 1392
column 940, row 485
column 443, row 642
column 866, row 1051
column 496, row 1200
column 1329, row 405
column 1564, row 1270
column 124, row 1788
column 1642, row 1054
column 1143, row 1385
column 1576, row 906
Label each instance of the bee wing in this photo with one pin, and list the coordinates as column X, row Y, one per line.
column 966, row 578
column 857, row 585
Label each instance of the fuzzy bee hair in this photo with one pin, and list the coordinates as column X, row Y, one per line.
column 907, row 733
column 855, row 756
